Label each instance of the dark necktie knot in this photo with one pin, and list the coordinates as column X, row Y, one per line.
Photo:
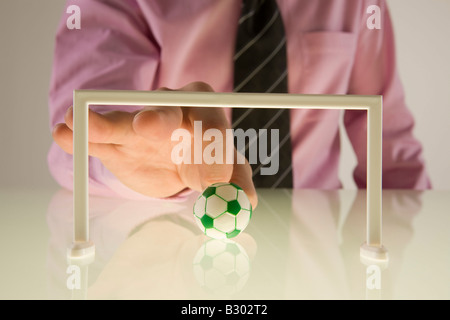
column 262, row 9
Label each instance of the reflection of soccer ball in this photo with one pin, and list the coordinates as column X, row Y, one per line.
column 222, row 211
column 221, row 267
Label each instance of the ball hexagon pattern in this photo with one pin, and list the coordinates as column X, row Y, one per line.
column 221, row 267
column 222, row 211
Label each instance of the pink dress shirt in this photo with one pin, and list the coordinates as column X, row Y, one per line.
column 147, row 44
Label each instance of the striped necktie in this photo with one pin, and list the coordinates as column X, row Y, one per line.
column 260, row 66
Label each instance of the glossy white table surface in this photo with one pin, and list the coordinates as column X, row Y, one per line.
column 301, row 244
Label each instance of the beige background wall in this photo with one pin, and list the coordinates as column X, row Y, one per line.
column 27, row 29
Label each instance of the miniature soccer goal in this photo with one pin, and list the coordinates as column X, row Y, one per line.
column 82, row 99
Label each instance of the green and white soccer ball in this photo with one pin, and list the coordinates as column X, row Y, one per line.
column 221, row 267
column 222, row 211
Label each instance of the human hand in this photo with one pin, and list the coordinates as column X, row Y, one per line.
column 136, row 147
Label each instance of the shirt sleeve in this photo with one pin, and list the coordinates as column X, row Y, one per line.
column 375, row 73
column 114, row 49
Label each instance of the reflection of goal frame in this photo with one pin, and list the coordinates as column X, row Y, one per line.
column 82, row 99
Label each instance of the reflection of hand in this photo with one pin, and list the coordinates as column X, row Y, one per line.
column 154, row 263
column 136, row 147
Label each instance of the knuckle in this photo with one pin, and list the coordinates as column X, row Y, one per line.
column 199, row 86
column 220, row 173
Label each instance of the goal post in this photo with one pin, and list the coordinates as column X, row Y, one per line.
column 372, row 248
